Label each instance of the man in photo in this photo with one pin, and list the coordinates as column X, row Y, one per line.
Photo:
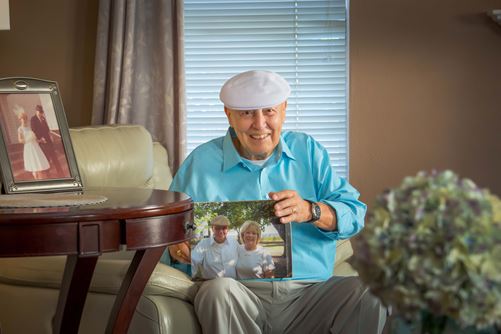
column 42, row 132
column 257, row 160
column 215, row 256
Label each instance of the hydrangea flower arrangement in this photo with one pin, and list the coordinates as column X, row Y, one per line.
column 434, row 244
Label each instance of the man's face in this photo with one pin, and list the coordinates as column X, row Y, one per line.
column 39, row 114
column 220, row 233
column 258, row 131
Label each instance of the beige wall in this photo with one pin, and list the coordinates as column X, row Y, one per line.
column 54, row 40
column 425, row 91
column 425, row 81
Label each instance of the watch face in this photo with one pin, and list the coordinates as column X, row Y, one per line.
column 315, row 211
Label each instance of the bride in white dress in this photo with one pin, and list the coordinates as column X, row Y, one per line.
column 33, row 156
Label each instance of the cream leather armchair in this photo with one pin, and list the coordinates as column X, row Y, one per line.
column 118, row 156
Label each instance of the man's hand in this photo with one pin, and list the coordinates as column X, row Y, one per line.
column 290, row 207
column 181, row 252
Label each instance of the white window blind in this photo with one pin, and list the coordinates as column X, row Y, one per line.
column 304, row 41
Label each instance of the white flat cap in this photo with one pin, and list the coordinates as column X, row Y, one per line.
column 254, row 90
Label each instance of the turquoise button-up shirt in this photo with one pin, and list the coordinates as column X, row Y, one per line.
column 215, row 171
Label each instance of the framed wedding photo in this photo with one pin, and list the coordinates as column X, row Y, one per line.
column 36, row 154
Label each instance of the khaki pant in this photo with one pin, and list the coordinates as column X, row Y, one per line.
column 338, row 305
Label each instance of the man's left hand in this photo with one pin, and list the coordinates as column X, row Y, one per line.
column 290, row 207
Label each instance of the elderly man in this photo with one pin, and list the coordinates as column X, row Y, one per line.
column 215, row 256
column 256, row 160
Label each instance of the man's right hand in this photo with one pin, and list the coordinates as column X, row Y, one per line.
column 181, row 252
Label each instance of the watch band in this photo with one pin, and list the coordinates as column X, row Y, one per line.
column 315, row 212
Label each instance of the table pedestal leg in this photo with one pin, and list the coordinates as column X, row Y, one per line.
column 77, row 275
column 138, row 274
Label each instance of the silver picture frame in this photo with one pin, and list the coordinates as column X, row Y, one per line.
column 36, row 153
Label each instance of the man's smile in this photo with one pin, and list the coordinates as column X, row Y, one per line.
column 259, row 136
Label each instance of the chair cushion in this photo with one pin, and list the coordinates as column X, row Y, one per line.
column 162, row 177
column 108, row 276
column 114, row 156
column 344, row 251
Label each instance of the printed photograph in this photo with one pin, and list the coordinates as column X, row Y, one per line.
column 240, row 239
column 32, row 137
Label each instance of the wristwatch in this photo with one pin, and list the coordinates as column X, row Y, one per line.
column 315, row 212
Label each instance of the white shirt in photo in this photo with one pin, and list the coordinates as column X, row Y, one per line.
column 253, row 264
column 210, row 259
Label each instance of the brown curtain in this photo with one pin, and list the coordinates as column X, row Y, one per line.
column 139, row 71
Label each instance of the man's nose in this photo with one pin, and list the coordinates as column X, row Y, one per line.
column 259, row 121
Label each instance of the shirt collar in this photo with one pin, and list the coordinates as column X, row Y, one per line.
column 285, row 149
column 231, row 157
column 230, row 153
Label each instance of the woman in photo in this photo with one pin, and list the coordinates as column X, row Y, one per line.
column 253, row 260
column 34, row 159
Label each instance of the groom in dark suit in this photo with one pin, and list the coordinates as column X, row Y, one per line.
column 42, row 132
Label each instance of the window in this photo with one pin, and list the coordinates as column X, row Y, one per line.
column 304, row 41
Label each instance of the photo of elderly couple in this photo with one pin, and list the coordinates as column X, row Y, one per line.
column 241, row 240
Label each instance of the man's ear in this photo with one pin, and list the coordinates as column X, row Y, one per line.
column 283, row 105
column 228, row 115
column 283, row 110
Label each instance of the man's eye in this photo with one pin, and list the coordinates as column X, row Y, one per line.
column 246, row 113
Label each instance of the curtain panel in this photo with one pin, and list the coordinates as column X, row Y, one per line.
column 139, row 70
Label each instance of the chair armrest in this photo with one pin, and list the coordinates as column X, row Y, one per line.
column 108, row 276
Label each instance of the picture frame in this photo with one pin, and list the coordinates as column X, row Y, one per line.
column 274, row 241
column 36, row 153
